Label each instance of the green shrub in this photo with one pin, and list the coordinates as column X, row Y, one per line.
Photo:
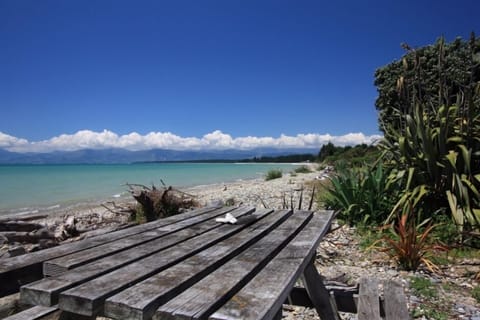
column 476, row 293
column 273, row 174
column 426, row 75
column 368, row 237
column 423, row 286
column 302, row 169
column 353, row 156
column 361, row 195
column 432, row 139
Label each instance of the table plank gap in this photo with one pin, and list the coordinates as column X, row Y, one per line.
column 207, row 295
column 17, row 271
column 263, row 296
column 46, row 291
column 148, row 294
column 88, row 298
column 59, row 265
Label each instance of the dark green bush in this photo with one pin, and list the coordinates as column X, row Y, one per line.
column 431, row 121
column 361, row 195
column 273, row 174
column 302, row 169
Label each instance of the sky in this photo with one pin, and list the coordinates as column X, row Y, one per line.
column 204, row 74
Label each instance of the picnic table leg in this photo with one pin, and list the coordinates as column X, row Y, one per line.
column 318, row 293
column 278, row 315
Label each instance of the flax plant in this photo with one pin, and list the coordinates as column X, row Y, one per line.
column 410, row 244
column 435, row 151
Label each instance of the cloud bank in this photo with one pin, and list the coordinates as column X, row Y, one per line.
column 86, row 139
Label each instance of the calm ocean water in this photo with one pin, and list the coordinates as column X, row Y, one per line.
column 35, row 188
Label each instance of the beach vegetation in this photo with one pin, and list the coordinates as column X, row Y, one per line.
column 291, row 158
column 353, row 156
column 431, row 124
column 273, row 174
column 415, row 195
column 410, row 243
column 302, row 169
column 431, row 307
column 230, row 202
column 427, row 166
column 476, row 293
column 423, row 286
column 295, row 200
column 361, row 195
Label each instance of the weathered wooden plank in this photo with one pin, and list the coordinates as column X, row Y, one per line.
column 368, row 303
column 89, row 297
column 17, row 271
column 395, row 301
column 278, row 316
column 266, row 292
column 46, row 291
column 318, row 293
column 36, row 313
column 73, row 260
column 345, row 298
column 205, row 296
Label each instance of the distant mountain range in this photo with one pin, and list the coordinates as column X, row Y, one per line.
column 107, row 156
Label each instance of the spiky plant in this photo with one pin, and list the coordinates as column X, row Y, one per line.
column 434, row 149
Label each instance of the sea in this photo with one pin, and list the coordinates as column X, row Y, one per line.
column 41, row 188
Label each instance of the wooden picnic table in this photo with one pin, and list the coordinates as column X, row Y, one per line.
column 188, row 266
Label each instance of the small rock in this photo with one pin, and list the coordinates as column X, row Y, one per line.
column 392, row 273
column 215, row 203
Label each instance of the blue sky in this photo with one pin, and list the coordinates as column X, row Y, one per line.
column 124, row 73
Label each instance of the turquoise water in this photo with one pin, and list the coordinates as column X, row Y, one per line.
column 26, row 188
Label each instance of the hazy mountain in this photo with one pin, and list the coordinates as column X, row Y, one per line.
column 125, row 156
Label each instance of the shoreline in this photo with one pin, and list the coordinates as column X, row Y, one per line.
column 43, row 197
column 243, row 191
column 103, row 216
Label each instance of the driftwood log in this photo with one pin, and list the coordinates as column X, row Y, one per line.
column 19, row 226
column 28, row 237
column 158, row 203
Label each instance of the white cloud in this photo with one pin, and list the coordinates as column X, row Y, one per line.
column 86, row 139
column 7, row 141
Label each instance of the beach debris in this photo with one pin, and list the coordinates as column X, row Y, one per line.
column 19, row 226
column 27, row 237
column 116, row 209
column 229, row 218
column 67, row 229
column 161, row 202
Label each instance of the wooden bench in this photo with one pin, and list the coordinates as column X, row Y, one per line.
column 363, row 299
column 202, row 269
column 393, row 306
